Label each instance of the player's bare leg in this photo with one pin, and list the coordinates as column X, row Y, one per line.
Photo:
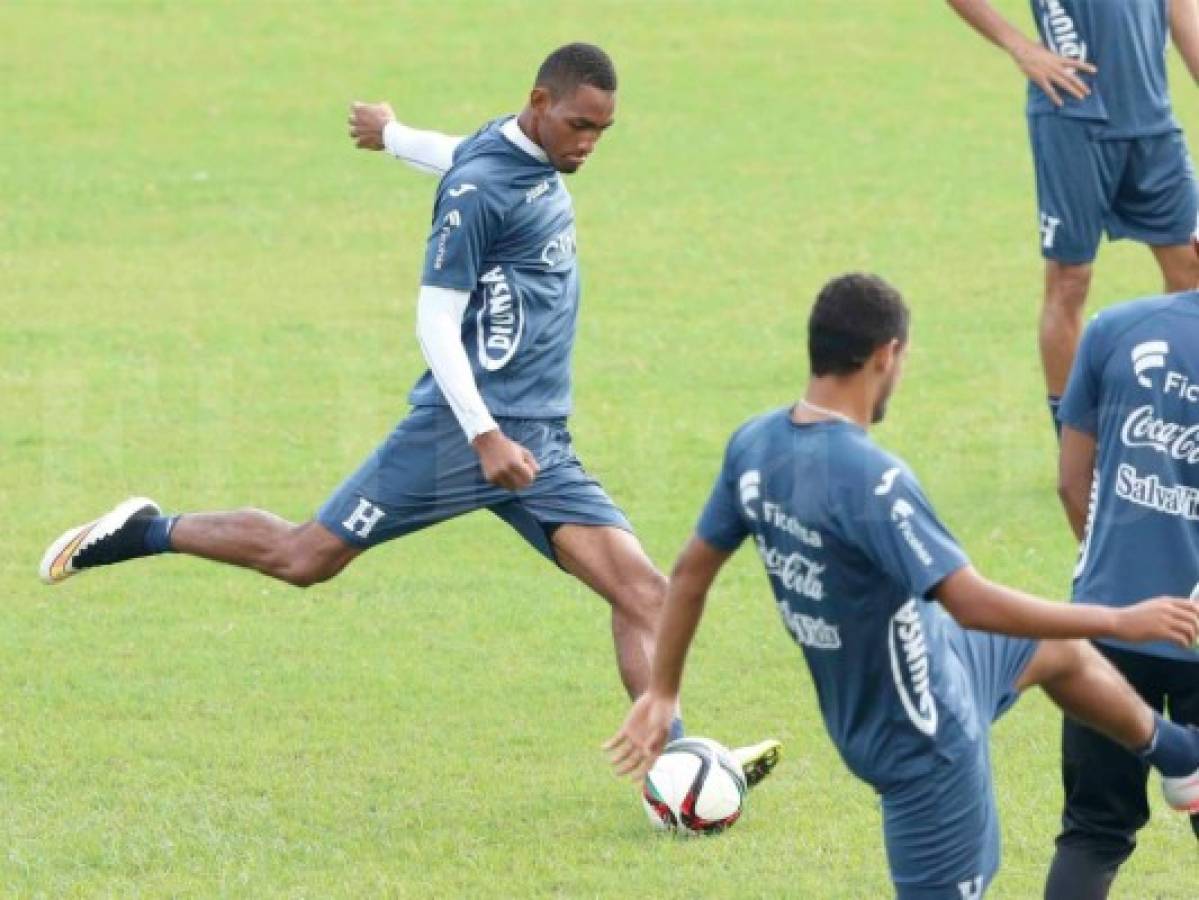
column 1180, row 267
column 1066, row 288
column 612, row 563
column 301, row 555
column 1091, row 690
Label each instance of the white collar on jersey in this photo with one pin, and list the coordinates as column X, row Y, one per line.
column 512, row 131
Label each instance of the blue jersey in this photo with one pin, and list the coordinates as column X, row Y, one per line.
column 504, row 230
column 1135, row 388
column 853, row 549
column 1126, row 42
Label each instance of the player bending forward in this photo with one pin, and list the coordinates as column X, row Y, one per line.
column 498, row 304
column 912, row 651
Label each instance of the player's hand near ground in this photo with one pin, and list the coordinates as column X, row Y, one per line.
column 367, row 121
column 505, row 462
column 1051, row 72
column 1160, row 619
column 633, row 749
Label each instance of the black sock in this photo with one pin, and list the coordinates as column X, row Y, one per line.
column 157, row 538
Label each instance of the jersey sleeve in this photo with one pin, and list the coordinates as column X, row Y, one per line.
column 466, row 220
column 903, row 536
column 1080, row 403
column 722, row 523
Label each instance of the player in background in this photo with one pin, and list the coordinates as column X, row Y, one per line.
column 913, row 652
column 1129, row 456
column 1107, row 150
column 497, row 309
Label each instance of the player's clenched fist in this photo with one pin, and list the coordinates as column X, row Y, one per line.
column 367, row 121
column 505, row 462
column 1161, row 619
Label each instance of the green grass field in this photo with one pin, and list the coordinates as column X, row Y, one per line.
column 207, row 297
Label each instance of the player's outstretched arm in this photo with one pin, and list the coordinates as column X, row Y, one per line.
column 641, row 738
column 982, row 605
column 373, row 126
column 1041, row 66
column 1184, row 32
column 1076, row 469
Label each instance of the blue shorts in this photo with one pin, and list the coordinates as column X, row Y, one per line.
column 1140, row 188
column 942, row 830
column 426, row 472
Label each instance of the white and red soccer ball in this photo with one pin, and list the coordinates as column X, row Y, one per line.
column 695, row 787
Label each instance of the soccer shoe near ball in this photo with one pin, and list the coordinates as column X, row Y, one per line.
column 115, row 536
column 1182, row 793
column 758, row 760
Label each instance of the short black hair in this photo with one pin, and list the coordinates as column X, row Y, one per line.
column 854, row 315
column 569, row 67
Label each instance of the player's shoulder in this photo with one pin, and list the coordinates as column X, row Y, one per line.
column 1147, row 320
column 875, row 470
column 489, row 163
column 754, row 431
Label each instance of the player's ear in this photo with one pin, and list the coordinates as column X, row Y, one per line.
column 540, row 99
column 884, row 357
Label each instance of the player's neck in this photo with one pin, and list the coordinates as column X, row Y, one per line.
column 524, row 121
column 829, row 399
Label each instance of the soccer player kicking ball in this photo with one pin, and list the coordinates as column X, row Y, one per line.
column 1130, row 440
column 912, row 651
column 1108, row 153
column 498, row 304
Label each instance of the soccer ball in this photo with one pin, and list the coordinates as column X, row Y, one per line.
column 695, row 787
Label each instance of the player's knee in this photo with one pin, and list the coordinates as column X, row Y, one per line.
column 1066, row 659
column 1066, row 288
column 645, row 597
column 304, row 575
column 298, row 566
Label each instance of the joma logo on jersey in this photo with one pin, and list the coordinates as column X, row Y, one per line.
column 909, row 667
column 501, row 320
column 1061, row 34
column 1146, row 357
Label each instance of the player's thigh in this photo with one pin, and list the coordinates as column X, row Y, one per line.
column 941, row 831
column 565, row 513
column 996, row 665
column 1074, row 181
column 423, row 473
column 611, row 561
column 1179, row 264
column 1157, row 200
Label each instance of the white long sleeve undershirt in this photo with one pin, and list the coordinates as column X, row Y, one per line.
column 439, row 330
column 425, row 151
